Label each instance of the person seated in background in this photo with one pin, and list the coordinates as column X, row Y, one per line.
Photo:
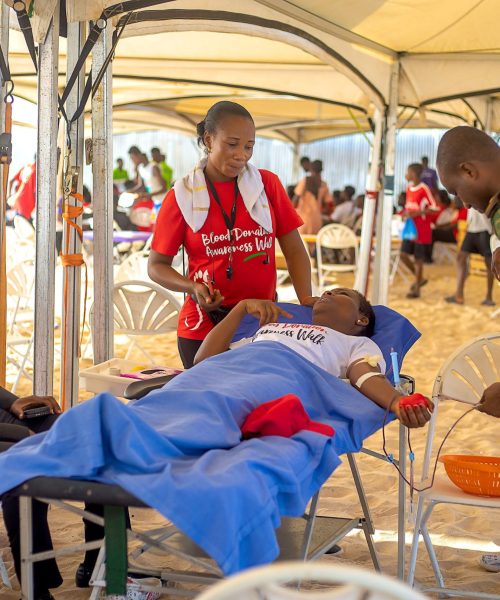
column 119, row 173
column 338, row 341
column 342, row 213
column 359, row 204
column 445, row 225
column 166, row 170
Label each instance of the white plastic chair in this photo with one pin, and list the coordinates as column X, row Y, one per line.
column 142, row 308
column 20, row 280
column 335, row 237
column 267, row 583
column 463, row 378
column 133, row 267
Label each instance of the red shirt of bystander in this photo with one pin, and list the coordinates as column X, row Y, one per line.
column 420, row 198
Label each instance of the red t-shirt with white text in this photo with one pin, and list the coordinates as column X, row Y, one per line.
column 419, row 198
column 253, row 262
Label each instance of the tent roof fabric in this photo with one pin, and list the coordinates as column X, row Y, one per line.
column 333, row 56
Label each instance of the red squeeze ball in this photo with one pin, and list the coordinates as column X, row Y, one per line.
column 414, row 400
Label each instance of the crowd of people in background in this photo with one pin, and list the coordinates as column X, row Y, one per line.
column 138, row 196
column 428, row 214
column 317, row 206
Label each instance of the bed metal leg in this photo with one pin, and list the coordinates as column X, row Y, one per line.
column 26, row 532
column 361, row 492
column 311, row 517
column 402, row 503
column 115, row 536
column 371, row 545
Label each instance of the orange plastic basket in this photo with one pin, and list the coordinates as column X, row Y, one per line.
column 479, row 475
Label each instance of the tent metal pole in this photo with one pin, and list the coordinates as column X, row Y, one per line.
column 296, row 157
column 46, row 205
column 72, row 276
column 102, row 172
column 4, row 39
column 384, row 218
column 489, row 115
column 369, row 210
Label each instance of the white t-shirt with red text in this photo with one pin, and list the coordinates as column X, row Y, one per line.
column 327, row 348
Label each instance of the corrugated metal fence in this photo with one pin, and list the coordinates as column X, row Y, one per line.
column 345, row 158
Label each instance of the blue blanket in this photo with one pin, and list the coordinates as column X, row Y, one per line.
column 179, row 450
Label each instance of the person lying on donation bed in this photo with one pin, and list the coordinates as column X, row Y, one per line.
column 228, row 215
column 337, row 341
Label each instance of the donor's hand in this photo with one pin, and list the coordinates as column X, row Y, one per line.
column 265, row 310
column 21, row 404
column 413, row 411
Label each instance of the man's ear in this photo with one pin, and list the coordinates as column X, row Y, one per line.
column 469, row 170
column 363, row 320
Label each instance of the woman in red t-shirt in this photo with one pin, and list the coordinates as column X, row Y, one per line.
column 228, row 215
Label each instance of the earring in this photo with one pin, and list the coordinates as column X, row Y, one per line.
column 209, row 150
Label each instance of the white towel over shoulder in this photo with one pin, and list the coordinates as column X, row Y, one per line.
column 193, row 200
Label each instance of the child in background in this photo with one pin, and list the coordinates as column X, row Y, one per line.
column 420, row 205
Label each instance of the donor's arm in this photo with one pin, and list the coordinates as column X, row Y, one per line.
column 379, row 389
column 219, row 339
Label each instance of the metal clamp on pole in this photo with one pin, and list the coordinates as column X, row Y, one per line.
column 5, row 148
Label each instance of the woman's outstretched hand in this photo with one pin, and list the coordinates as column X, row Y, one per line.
column 266, row 311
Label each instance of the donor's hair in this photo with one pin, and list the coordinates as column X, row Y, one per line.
column 366, row 309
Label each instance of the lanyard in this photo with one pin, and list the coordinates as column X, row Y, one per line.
column 228, row 220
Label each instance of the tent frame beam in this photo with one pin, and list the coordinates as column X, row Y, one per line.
column 384, row 217
column 308, row 42
column 291, row 10
column 72, row 275
column 46, row 194
column 369, row 211
column 102, row 173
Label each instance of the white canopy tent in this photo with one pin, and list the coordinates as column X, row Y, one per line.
column 306, row 71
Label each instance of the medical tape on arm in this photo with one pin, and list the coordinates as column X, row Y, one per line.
column 364, row 378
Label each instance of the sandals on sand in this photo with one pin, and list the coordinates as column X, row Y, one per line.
column 453, row 300
column 413, row 287
column 490, row 562
column 413, row 294
column 487, row 302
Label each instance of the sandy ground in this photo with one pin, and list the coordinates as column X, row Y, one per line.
column 461, row 534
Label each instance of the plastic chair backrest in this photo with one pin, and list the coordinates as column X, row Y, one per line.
column 463, row 377
column 336, row 237
column 20, row 280
column 144, row 308
column 266, row 583
column 469, row 370
column 24, row 229
column 133, row 267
